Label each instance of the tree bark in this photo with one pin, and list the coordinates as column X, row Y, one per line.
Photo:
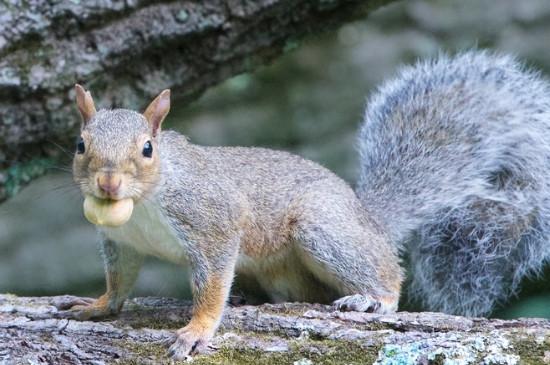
column 32, row 333
column 126, row 52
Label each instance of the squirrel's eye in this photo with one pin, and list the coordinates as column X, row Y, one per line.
column 80, row 147
column 147, row 149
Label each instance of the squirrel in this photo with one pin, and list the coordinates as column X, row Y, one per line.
column 453, row 164
column 282, row 227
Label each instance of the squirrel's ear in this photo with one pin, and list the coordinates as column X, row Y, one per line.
column 157, row 110
column 85, row 103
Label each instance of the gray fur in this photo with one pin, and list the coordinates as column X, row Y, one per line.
column 122, row 265
column 455, row 157
column 320, row 235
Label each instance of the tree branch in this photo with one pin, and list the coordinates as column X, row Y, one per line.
column 30, row 332
column 125, row 52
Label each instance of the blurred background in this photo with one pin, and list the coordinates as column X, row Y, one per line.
column 309, row 102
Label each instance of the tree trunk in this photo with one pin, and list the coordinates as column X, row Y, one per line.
column 126, row 52
column 31, row 333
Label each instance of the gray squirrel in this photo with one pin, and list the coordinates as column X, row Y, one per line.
column 274, row 224
column 455, row 163
column 454, row 154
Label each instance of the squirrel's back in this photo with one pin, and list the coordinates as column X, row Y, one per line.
column 270, row 186
column 454, row 161
column 251, row 170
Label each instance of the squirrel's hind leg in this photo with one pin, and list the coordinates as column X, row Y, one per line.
column 342, row 250
column 122, row 264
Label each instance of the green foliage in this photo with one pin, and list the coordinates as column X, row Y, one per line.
column 23, row 173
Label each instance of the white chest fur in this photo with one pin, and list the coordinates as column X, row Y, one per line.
column 149, row 232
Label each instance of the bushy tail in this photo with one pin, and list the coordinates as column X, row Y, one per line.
column 455, row 161
column 467, row 259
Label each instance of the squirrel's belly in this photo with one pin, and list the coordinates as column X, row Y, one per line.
column 283, row 277
column 150, row 233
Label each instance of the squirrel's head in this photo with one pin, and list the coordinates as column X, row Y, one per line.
column 116, row 154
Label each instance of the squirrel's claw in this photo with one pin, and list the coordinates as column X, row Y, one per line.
column 358, row 303
column 72, row 314
column 68, row 301
column 188, row 342
column 83, row 312
column 81, row 308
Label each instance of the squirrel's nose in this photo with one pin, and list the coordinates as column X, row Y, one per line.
column 109, row 184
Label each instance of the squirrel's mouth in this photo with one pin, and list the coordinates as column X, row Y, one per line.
column 99, row 195
column 107, row 199
column 114, row 186
column 123, row 194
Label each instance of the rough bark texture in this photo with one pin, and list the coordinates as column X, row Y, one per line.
column 31, row 333
column 126, row 52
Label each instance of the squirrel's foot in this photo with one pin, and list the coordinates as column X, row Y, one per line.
column 68, row 301
column 83, row 308
column 365, row 303
column 190, row 340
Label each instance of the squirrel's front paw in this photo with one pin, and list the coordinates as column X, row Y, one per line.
column 190, row 340
column 365, row 303
column 82, row 308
